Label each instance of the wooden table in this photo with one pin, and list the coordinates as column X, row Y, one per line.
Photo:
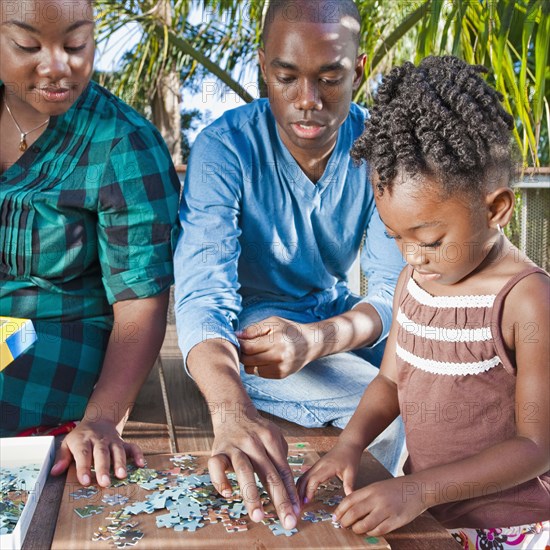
column 147, row 428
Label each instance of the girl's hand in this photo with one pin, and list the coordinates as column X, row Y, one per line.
column 341, row 461
column 381, row 507
column 100, row 444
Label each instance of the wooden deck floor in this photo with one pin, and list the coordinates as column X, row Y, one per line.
column 190, row 411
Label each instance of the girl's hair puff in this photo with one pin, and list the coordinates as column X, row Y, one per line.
column 440, row 119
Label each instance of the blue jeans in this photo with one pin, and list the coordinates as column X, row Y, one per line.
column 326, row 391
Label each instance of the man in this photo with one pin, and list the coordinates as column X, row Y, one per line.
column 273, row 215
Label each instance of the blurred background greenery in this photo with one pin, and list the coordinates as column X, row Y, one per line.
column 510, row 37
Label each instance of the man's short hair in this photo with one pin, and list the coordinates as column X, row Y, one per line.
column 312, row 11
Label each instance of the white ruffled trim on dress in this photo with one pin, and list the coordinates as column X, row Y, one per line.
column 444, row 334
column 426, row 299
column 443, row 367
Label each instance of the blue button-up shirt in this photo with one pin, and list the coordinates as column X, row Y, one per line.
column 256, row 229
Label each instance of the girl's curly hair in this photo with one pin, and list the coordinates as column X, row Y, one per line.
column 439, row 119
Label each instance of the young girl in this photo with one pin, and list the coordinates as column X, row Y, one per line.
column 467, row 359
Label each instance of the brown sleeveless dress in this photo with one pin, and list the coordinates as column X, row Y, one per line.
column 456, row 389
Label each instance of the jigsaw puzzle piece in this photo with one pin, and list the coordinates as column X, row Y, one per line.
column 139, row 508
column 118, row 517
column 317, row 516
column 167, row 520
column 84, row 492
column 114, row 500
column 237, row 510
column 332, row 500
column 235, row 525
column 269, row 518
column 153, row 484
column 187, row 525
column 103, row 534
column 128, row 538
column 330, row 485
column 88, row 511
column 142, row 475
column 277, row 529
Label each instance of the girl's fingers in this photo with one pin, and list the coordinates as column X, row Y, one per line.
column 370, row 523
column 307, row 485
column 386, row 526
column 348, row 479
column 351, row 509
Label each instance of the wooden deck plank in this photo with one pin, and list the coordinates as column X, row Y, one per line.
column 190, row 411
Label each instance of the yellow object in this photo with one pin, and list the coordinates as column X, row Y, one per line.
column 16, row 335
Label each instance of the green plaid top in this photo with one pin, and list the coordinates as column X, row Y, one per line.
column 88, row 217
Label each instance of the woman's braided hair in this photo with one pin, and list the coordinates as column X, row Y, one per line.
column 440, row 119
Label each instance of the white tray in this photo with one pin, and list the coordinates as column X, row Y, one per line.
column 20, row 451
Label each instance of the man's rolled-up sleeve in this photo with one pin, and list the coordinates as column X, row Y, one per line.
column 207, row 254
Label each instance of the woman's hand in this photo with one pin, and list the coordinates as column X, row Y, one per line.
column 128, row 361
column 99, row 443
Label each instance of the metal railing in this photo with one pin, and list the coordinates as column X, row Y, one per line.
column 530, row 228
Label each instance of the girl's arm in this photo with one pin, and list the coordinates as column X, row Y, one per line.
column 387, row 505
column 138, row 333
column 377, row 409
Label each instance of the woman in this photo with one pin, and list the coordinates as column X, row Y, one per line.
column 88, row 210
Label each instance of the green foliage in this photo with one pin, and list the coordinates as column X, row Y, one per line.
column 513, row 229
column 510, row 37
column 169, row 42
column 190, row 120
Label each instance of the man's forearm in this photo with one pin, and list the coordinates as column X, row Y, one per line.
column 214, row 365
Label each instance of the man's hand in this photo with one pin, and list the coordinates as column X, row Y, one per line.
column 98, row 442
column 249, row 444
column 244, row 442
column 277, row 347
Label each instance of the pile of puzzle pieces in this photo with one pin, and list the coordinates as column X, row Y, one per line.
column 188, row 498
column 15, row 485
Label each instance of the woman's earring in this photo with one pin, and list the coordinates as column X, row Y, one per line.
column 499, row 228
